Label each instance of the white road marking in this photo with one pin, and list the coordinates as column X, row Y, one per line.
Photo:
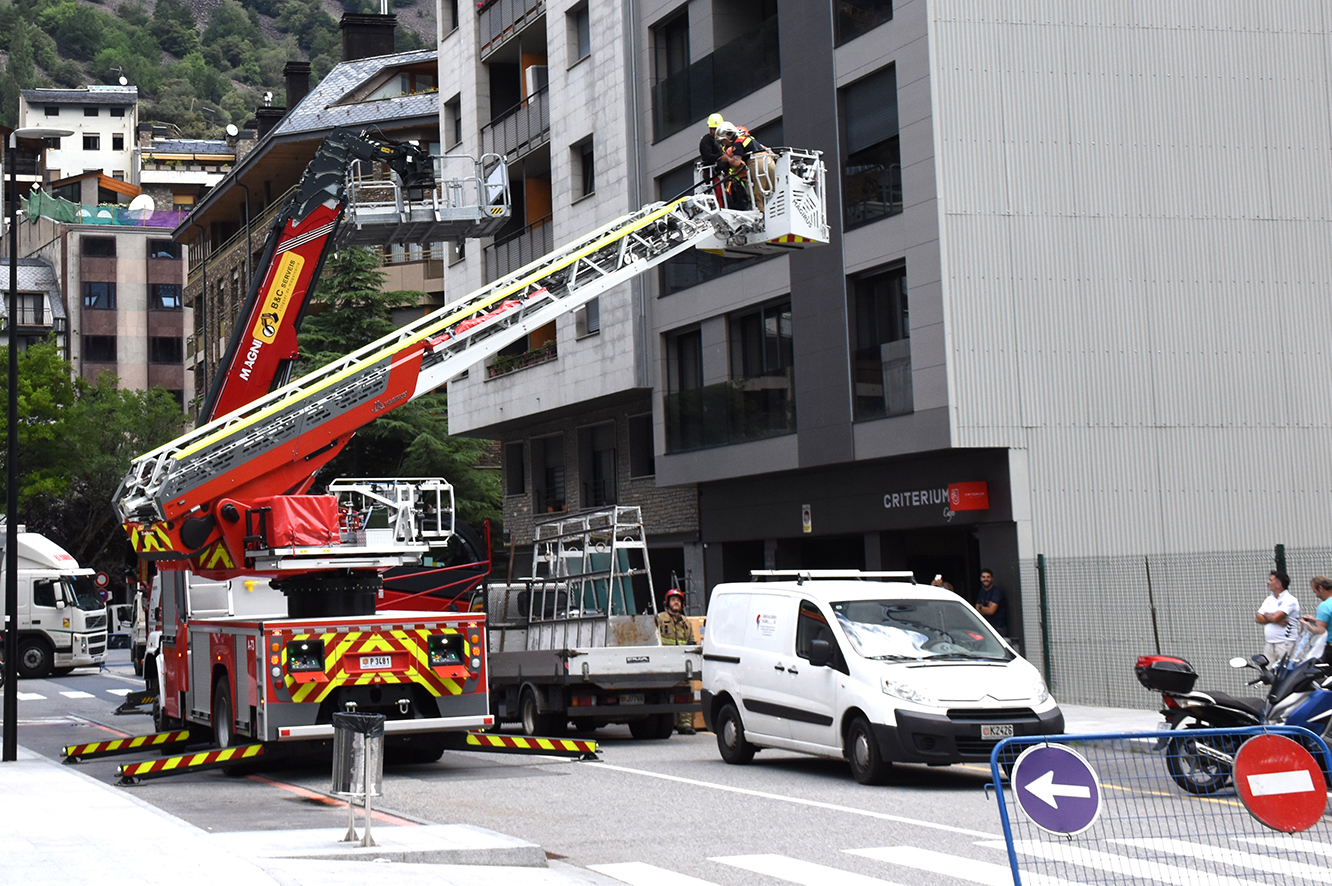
column 1117, row 864
column 816, row 804
column 638, row 873
column 804, row 873
column 969, row 869
column 1266, row 784
column 121, row 692
column 1290, row 843
column 75, row 693
column 30, row 696
column 1266, row 863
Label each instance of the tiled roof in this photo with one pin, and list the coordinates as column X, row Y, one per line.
column 319, row 110
column 35, row 275
column 127, row 96
column 191, row 146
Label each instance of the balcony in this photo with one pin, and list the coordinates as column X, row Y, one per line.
column 530, row 244
column 520, row 129
column 500, row 20
column 506, row 364
column 735, row 411
column 732, row 72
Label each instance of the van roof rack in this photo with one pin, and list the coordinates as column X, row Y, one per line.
column 801, row 575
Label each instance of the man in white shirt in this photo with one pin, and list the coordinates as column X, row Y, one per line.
column 1279, row 615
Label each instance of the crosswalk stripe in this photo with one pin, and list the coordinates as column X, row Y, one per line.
column 983, row 872
column 75, row 693
column 30, row 696
column 1266, row 863
column 1117, row 864
column 793, row 870
column 1291, row 843
column 121, row 692
column 638, row 873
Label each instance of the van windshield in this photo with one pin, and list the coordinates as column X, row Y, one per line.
column 898, row 630
column 80, row 590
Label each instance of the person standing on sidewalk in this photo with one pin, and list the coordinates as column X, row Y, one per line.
column 1279, row 615
column 675, row 630
column 1318, row 622
column 990, row 603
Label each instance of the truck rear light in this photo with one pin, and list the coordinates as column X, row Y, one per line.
column 445, row 650
column 583, row 701
column 684, row 697
column 305, row 655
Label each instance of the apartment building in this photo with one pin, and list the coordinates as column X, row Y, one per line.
column 1068, row 308
column 103, row 119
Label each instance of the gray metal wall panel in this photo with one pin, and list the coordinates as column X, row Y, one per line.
column 1135, row 207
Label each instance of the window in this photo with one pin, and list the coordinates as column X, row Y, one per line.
column 670, row 43
column 580, row 33
column 810, row 626
column 54, row 144
column 548, row 475
column 873, row 173
column 761, row 399
column 449, row 10
column 117, row 112
column 684, row 361
column 584, row 169
column 118, row 175
column 31, row 309
column 163, row 249
column 90, row 110
column 165, row 349
column 164, row 296
column 101, row 296
column 53, row 110
column 596, row 465
column 182, row 202
column 693, row 266
column 99, row 349
column 117, row 142
column 642, row 455
column 43, row 593
column 98, row 246
column 92, row 142
column 587, row 321
column 515, row 479
column 761, row 342
column 453, row 121
column 881, row 359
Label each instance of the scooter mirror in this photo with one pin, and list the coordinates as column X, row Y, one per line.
column 1238, row 662
column 1260, row 660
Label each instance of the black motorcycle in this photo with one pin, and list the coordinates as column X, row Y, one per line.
column 1300, row 694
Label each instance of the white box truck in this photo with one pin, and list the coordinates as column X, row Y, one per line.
column 61, row 617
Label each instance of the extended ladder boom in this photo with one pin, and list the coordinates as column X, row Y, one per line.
column 188, row 497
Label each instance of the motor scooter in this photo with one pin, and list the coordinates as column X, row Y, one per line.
column 1299, row 694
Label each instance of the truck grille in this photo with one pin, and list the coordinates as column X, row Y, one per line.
column 96, row 648
column 94, row 622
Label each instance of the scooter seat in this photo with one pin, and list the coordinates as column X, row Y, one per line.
column 1254, row 705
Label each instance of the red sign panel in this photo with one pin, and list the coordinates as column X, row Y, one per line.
column 1280, row 783
column 973, row 496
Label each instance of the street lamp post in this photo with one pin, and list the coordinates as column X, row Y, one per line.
column 10, row 750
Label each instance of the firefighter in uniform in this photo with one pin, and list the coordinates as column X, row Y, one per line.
column 675, row 630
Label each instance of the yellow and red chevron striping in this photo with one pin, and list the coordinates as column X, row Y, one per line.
column 406, row 648
column 534, row 744
column 186, row 762
column 125, row 745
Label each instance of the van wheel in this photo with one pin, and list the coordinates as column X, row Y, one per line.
column 862, row 751
column 34, row 658
column 731, row 741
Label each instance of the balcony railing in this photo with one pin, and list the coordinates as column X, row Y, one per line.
column 732, row 72
column 536, row 240
column 520, row 129
column 735, row 411
column 500, row 20
column 505, row 364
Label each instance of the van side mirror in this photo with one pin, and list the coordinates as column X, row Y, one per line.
column 820, row 653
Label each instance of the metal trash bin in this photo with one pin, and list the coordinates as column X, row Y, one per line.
column 358, row 765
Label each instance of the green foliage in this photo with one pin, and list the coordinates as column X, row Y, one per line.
column 77, row 30
column 76, row 440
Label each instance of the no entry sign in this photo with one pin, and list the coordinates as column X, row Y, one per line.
column 1057, row 789
column 1280, row 783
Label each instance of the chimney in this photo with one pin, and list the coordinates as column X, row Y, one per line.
column 298, row 82
column 366, row 36
column 268, row 118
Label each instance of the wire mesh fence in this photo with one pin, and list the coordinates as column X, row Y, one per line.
column 1146, row 828
column 1100, row 613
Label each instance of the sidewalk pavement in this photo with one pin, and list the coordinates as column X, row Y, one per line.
column 58, row 825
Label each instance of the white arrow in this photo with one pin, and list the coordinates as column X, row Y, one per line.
column 1045, row 789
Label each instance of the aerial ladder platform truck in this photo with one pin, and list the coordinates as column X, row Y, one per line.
column 231, row 499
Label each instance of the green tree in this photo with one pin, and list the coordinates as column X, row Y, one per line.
column 76, row 440
column 78, row 30
column 22, row 63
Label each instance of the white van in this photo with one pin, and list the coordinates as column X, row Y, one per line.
column 863, row 665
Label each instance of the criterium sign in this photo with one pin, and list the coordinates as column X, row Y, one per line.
column 1057, row 789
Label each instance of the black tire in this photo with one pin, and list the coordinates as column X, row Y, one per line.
column 136, row 658
column 862, row 751
column 418, row 750
column 223, row 716
column 731, row 742
column 533, row 721
column 1196, row 773
column 61, row 672
column 653, row 727
column 35, row 658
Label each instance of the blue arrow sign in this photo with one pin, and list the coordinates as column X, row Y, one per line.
column 1057, row 789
